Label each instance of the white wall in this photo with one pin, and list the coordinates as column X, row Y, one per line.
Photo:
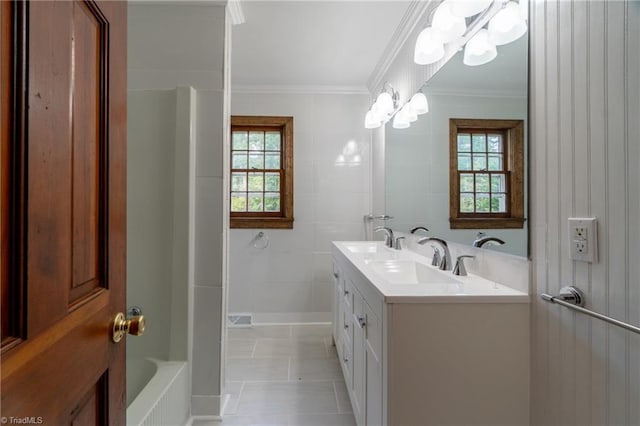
column 585, row 126
column 291, row 279
column 417, row 167
column 173, row 45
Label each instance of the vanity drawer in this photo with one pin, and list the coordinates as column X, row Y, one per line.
column 347, row 367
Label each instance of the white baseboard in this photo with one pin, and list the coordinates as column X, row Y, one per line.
column 292, row 318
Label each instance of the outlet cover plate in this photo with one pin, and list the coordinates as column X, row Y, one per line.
column 583, row 239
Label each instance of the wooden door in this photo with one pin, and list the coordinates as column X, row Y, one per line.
column 63, row 211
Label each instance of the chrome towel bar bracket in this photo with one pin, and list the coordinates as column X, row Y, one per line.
column 572, row 298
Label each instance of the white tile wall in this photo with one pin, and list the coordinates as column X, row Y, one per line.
column 290, row 278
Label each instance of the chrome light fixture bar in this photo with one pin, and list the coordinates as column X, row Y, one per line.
column 383, row 108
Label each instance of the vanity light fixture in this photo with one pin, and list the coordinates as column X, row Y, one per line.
column 507, row 25
column 383, row 108
column 467, row 8
column 429, row 47
column 401, row 120
column 419, row 103
column 479, row 50
column 447, row 24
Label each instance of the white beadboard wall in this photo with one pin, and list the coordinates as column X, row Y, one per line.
column 585, row 133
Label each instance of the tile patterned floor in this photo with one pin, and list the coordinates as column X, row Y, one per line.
column 285, row 375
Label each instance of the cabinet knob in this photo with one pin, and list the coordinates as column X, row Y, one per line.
column 336, row 275
column 346, row 360
column 346, row 292
column 346, row 326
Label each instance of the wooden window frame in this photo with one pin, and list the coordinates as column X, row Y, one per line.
column 514, row 168
column 273, row 220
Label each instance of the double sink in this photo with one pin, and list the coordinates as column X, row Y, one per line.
column 401, row 274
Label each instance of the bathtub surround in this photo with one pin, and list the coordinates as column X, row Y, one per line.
column 192, row 50
column 290, row 280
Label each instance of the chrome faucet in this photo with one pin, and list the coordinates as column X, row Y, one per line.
column 445, row 263
column 459, row 268
column 485, row 239
column 419, row 228
column 388, row 236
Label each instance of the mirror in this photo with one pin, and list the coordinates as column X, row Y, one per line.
column 417, row 158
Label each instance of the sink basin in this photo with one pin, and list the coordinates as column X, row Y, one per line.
column 411, row 272
column 362, row 247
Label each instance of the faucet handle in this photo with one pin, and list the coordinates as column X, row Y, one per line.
column 437, row 258
column 459, row 269
column 398, row 245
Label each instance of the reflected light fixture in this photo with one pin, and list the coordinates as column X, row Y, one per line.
column 507, row 25
column 409, row 113
column 467, row 8
column 479, row 50
column 401, row 121
column 448, row 25
column 419, row 103
column 383, row 108
column 429, row 47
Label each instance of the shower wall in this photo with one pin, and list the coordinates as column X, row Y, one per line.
column 290, row 280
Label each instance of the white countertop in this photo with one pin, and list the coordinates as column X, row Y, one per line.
column 403, row 276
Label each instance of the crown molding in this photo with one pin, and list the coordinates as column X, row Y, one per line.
column 412, row 17
column 300, row 89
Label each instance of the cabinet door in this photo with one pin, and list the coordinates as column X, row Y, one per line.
column 337, row 291
column 358, row 324
column 373, row 368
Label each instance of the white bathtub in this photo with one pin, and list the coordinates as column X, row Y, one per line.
column 165, row 398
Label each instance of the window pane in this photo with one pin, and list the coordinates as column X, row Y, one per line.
column 495, row 162
column 464, row 142
column 240, row 140
column 272, row 141
column 256, row 141
column 272, row 202
column 272, row 161
column 238, row 181
column 238, row 202
column 466, row 203
column 495, row 143
column 255, row 202
column 482, row 183
column 239, row 160
column 256, row 161
column 482, row 203
column 480, row 162
column 498, row 203
column 466, row 183
column 498, row 183
column 479, row 143
column 256, row 182
column 272, row 182
column 464, row 162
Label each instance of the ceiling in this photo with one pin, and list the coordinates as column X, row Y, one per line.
column 317, row 44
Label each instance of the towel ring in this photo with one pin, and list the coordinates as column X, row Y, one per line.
column 260, row 236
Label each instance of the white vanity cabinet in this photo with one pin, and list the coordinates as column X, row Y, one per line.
column 417, row 361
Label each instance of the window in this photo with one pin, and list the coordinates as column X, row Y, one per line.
column 486, row 173
column 261, row 172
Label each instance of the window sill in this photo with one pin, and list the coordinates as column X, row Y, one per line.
column 266, row 223
column 487, row 223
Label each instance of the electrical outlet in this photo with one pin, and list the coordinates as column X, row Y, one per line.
column 583, row 239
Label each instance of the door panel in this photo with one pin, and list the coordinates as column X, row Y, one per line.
column 64, row 144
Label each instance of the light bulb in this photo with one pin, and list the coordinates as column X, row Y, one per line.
column 449, row 26
column 429, row 47
column 479, row 50
column 385, row 103
column 419, row 103
column 371, row 121
column 507, row 25
column 401, row 121
column 408, row 111
column 466, row 8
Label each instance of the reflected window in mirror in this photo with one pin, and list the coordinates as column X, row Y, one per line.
column 486, row 173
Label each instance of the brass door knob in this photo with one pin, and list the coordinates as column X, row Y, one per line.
column 121, row 326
